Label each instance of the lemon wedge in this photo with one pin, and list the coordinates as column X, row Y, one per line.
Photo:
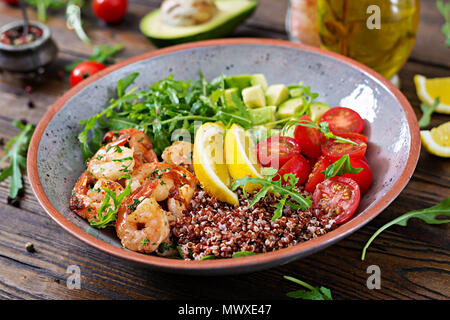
column 429, row 89
column 437, row 140
column 240, row 155
column 209, row 162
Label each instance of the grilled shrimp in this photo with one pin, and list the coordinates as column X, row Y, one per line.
column 174, row 183
column 180, row 154
column 112, row 161
column 135, row 139
column 88, row 195
column 142, row 225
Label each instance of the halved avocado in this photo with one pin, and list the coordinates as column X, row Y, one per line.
column 231, row 14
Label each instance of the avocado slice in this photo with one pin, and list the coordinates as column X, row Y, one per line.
column 229, row 95
column 263, row 115
column 254, row 97
column 231, row 14
column 277, row 94
column 317, row 109
column 239, row 82
column 260, row 79
column 290, row 107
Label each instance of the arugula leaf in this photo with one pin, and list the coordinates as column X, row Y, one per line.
column 427, row 112
column 15, row 152
column 208, row 257
column 242, row 254
column 445, row 10
column 73, row 17
column 165, row 110
column 43, row 5
column 268, row 184
column 101, row 53
column 313, row 293
column 429, row 215
column 340, row 167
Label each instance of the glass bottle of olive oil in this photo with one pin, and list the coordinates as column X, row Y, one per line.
column 377, row 33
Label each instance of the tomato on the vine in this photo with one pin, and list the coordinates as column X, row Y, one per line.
column 343, row 120
column 110, row 10
column 84, row 70
column 276, row 151
column 337, row 197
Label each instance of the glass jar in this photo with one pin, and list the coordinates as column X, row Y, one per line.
column 377, row 33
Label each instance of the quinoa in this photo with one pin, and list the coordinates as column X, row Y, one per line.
column 212, row 227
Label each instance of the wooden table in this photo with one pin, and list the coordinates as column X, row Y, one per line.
column 414, row 261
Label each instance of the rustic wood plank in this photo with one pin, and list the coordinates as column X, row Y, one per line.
column 43, row 274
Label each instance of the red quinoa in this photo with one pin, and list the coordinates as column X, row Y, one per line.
column 211, row 227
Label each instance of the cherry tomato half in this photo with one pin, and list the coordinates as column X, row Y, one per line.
column 335, row 150
column 84, row 70
column 276, row 151
column 296, row 165
column 110, row 10
column 337, row 197
column 309, row 139
column 343, row 120
column 316, row 176
column 364, row 178
column 354, row 135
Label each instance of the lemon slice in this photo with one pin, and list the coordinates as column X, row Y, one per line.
column 209, row 162
column 240, row 155
column 429, row 89
column 437, row 141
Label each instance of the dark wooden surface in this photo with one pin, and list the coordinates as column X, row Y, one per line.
column 414, row 260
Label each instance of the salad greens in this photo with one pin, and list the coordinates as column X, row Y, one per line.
column 340, row 167
column 427, row 112
column 268, row 185
column 444, row 8
column 15, row 152
column 313, row 293
column 429, row 215
column 166, row 110
column 101, row 53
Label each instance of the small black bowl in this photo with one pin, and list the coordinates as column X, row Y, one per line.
column 29, row 59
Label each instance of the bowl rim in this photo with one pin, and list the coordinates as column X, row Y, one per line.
column 250, row 263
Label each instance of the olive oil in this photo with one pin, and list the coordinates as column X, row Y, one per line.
column 349, row 27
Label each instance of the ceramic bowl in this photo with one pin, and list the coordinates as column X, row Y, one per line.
column 55, row 161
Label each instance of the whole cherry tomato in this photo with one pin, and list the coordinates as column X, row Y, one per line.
column 363, row 178
column 296, row 165
column 309, row 139
column 110, row 10
column 84, row 70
